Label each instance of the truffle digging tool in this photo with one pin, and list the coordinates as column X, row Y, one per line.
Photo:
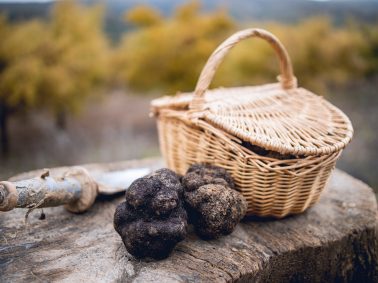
column 74, row 187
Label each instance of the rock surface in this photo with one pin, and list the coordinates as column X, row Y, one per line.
column 336, row 240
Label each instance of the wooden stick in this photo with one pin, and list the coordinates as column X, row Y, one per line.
column 75, row 188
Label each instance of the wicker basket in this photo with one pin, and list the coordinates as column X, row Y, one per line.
column 298, row 135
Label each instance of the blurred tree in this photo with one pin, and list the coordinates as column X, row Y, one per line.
column 53, row 65
column 143, row 16
column 370, row 35
column 170, row 55
column 75, row 58
column 20, row 70
column 188, row 11
column 321, row 54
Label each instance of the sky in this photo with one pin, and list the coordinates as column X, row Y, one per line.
column 23, row 1
column 44, row 1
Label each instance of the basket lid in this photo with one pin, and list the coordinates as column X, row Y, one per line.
column 278, row 117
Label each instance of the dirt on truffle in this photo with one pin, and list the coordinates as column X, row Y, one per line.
column 213, row 207
column 203, row 174
column 152, row 220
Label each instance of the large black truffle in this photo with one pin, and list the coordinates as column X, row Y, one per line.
column 213, row 207
column 152, row 220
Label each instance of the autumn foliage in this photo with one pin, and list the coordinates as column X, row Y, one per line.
column 57, row 63
column 168, row 55
column 53, row 65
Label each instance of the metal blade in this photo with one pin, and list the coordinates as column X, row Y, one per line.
column 75, row 187
column 118, row 181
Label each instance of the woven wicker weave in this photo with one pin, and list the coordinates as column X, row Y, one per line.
column 298, row 135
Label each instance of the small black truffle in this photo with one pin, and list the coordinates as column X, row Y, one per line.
column 152, row 220
column 204, row 174
column 213, row 207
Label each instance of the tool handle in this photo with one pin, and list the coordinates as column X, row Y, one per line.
column 75, row 189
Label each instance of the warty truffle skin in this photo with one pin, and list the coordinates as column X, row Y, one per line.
column 204, row 174
column 214, row 209
column 152, row 220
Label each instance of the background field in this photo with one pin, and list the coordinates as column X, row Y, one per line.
column 106, row 119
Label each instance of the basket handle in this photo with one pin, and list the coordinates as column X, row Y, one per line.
column 287, row 78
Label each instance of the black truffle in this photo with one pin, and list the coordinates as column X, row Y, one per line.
column 204, row 174
column 152, row 220
column 213, row 207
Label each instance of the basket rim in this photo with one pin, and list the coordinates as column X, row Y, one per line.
column 334, row 133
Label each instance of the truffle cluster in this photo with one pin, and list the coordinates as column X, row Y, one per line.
column 214, row 207
column 152, row 220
